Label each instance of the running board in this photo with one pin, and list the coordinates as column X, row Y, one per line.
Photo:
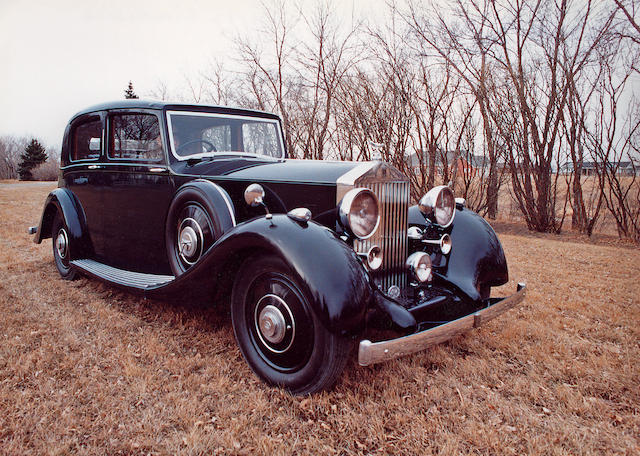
column 130, row 279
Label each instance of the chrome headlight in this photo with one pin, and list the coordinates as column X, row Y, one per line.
column 359, row 212
column 439, row 205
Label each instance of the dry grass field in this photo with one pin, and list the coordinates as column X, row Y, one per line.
column 87, row 369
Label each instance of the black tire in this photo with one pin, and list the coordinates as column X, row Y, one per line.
column 305, row 357
column 191, row 216
column 61, row 248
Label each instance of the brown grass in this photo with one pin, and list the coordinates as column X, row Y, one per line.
column 86, row 369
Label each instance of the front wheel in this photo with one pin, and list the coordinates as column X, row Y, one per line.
column 279, row 335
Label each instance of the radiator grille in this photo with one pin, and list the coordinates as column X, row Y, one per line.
column 391, row 235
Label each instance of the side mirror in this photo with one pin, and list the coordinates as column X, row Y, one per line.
column 254, row 195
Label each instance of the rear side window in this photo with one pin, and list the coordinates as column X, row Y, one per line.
column 87, row 140
column 135, row 137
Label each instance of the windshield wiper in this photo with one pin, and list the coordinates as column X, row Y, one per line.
column 195, row 160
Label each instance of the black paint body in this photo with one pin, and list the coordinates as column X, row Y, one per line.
column 116, row 213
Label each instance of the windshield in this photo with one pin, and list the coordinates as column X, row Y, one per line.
column 196, row 134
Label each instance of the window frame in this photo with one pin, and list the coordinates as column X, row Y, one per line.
column 276, row 122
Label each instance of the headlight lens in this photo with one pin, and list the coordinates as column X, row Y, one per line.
column 439, row 204
column 359, row 212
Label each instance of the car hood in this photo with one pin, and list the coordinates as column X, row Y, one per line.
column 265, row 170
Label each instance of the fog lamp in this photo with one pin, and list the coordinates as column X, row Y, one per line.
column 374, row 258
column 445, row 244
column 419, row 263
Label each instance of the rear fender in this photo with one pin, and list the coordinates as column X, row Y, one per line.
column 63, row 201
column 327, row 269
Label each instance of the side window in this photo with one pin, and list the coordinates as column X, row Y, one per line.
column 135, row 137
column 87, row 140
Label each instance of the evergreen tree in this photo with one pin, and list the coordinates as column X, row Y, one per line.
column 129, row 93
column 33, row 156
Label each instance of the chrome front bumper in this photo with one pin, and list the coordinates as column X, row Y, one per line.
column 376, row 352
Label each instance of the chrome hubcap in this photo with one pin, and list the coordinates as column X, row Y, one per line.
column 190, row 241
column 274, row 323
column 271, row 324
column 61, row 244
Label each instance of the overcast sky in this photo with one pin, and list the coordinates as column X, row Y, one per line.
column 60, row 56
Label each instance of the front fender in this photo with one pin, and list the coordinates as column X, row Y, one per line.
column 477, row 261
column 328, row 270
column 63, row 201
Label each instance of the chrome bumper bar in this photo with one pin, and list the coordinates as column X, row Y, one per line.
column 376, row 352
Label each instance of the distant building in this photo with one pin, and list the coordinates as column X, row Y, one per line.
column 590, row 168
column 466, row 163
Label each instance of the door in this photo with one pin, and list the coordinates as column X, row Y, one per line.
column 82, row 174
column 137, row 193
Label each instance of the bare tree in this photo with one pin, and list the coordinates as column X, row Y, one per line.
column 323, row 62
column 267, row 74
column 11, row 147
column 586, row 203
column 630, row 9
column 372, row 118
column 543, row 46
column 614, row 141
column 458, row 36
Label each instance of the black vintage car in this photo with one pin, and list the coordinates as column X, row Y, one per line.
column 184, row 200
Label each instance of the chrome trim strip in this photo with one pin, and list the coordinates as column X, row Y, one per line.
column 107, row 164
column 375, row 352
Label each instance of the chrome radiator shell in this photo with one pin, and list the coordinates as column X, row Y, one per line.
column 392, row 189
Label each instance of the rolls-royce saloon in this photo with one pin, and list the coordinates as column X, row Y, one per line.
column 312, row 257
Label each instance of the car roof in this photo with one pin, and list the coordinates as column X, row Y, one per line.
column 167, row 105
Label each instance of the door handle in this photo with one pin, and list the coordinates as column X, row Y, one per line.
column 95, row 167
column 157, row 170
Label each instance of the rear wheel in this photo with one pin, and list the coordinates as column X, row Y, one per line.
column 279, row 335
column 61, row 248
